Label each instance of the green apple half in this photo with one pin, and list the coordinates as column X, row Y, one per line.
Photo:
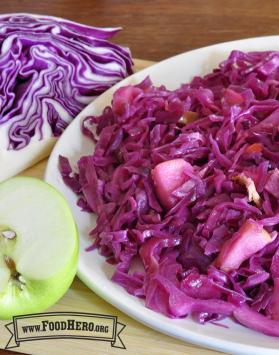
column 38, row 246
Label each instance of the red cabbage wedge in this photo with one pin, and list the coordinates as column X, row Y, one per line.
column 50, row 69
column 186, row 182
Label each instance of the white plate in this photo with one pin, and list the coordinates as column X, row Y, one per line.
column 93, row 270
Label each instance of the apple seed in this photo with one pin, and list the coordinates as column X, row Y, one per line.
column 10, row 263
column 16, row 277
column 8, row 234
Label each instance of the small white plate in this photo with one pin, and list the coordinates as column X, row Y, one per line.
column 93, row 269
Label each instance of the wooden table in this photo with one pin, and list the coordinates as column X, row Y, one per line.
column 153, row 30
column 157, row 29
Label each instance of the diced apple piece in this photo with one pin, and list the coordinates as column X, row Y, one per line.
column 233, row 98
column 189, row 117
column 254, row 148
column 250, row 187
column 248, row 240
column 167, row 177
column 123, row 97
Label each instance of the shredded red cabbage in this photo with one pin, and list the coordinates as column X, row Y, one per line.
column 186, row 183
column 50, row 69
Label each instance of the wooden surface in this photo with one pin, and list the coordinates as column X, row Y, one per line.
column 156, row 29
column 137, row 338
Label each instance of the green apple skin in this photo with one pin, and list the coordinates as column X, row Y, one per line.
column 38, row 295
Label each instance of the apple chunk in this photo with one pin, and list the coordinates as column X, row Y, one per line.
column 167, row 177
column 248, row 240
column 38, row 246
